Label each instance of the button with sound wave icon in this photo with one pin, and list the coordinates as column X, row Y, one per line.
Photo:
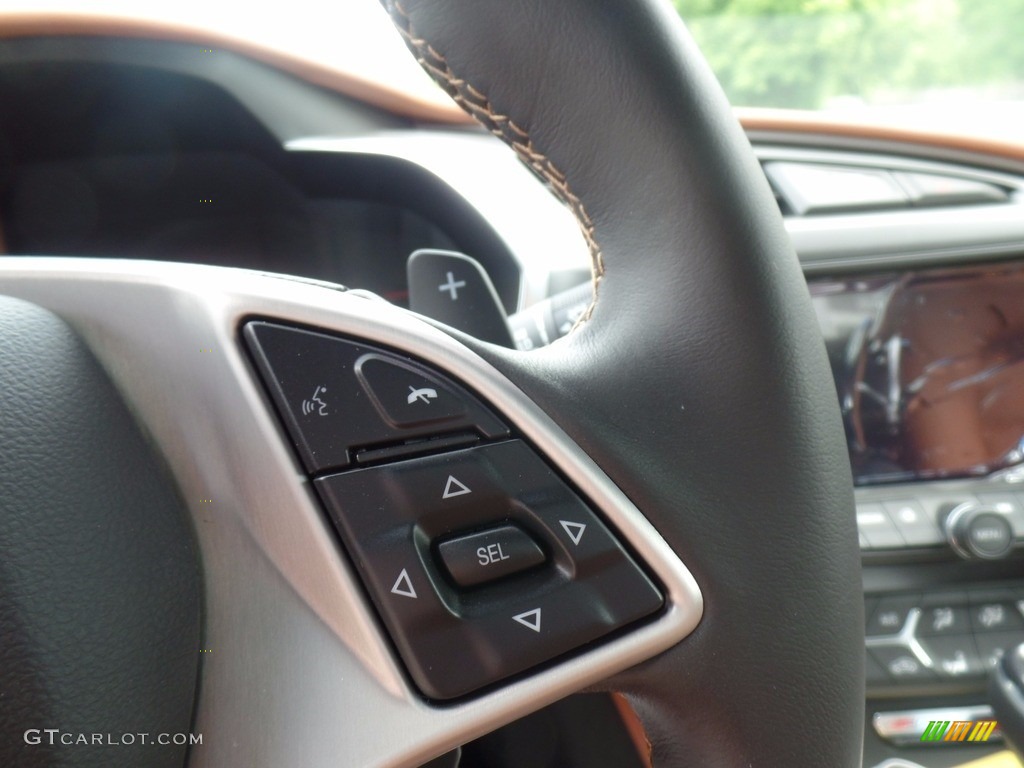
column 315, row 404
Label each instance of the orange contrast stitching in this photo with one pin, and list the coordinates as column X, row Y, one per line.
column 479, row 106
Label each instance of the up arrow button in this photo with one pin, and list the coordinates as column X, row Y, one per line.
column 454, row 487
column 403, row 585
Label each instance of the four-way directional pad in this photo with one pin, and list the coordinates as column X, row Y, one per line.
column 483, row 563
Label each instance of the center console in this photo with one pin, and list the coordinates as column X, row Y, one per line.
column 929, row 370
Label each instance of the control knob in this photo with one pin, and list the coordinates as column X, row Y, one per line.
column 978, row 532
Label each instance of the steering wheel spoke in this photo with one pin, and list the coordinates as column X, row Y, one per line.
column 287, row 616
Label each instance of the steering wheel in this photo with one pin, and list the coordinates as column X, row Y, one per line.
column 167, row 569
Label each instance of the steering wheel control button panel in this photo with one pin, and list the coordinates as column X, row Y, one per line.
column 479, row 558
column 339, row 398
column 483, row 563
column 942, row 638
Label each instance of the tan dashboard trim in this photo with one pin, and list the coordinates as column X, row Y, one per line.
column 635, row 729
column 757, row 120
column 754, row 120
column 28, row 24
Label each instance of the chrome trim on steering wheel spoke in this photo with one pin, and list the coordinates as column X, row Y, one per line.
column 297, row 670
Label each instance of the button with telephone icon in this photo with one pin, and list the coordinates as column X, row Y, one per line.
column 404, row 395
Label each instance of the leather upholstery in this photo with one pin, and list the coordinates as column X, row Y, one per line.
column 699, row 383
column 99, row 576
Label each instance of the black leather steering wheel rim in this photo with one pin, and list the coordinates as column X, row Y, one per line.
column 698, row 381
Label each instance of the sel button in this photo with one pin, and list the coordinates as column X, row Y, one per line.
column 489, row 555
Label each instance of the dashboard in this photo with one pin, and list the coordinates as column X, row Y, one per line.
column 914, row 258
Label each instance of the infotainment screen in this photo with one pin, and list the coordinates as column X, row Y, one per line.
column 929, row 369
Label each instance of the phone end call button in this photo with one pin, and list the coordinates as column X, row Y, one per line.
column 405, row 396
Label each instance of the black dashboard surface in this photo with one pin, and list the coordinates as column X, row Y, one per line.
column 221, row 208
column 127, row 161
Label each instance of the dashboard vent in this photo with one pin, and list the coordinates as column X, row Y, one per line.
column 810, row 189
column 780, row 199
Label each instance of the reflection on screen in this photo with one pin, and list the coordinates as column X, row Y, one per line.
column 929, row 367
